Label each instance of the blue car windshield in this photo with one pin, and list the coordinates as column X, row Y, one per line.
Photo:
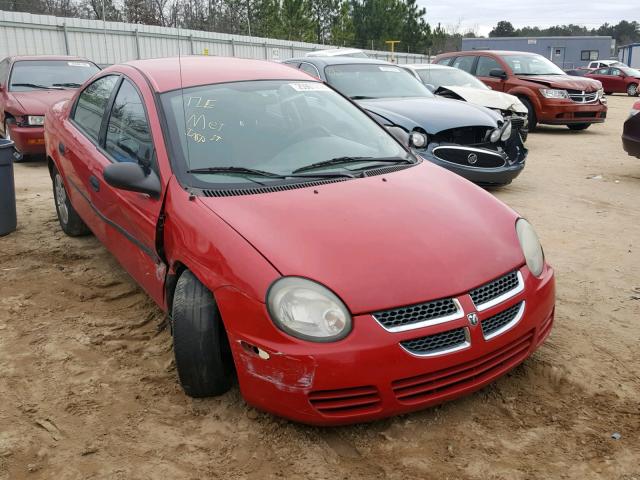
column 362, row 81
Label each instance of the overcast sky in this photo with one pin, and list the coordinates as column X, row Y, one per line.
column 483, row 15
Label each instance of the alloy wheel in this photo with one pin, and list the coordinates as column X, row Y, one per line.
column 61, row 199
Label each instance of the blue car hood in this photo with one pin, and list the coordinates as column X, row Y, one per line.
column 432, row 114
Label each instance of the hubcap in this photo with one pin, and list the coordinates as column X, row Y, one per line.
column 61, row 199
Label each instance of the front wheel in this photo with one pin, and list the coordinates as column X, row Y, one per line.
column 531, row 114
column 632, row 90
column 202, row 352
column 579, row 126
column 70, row 221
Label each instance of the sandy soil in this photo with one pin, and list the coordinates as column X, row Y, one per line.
column 88, row 388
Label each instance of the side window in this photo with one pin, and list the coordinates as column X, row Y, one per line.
column 310, row 69
column 444, row 61
column 464, row 63
column 485, row 65
column 615, row 72
column 91, row 105
column 128, row 133
column 601, row 71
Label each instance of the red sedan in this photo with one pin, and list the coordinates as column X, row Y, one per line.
column 294, row 243
column 618, row 80
column 28, row 87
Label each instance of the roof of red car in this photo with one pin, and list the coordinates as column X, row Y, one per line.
column 164, row 73
column 491, row 52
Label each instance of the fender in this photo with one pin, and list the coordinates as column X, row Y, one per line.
column 520, row 91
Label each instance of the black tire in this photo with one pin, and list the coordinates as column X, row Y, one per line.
column 531, row 115
column 203, row 357
column 608, row 93
column 70, row 221
column 579, row 126
column 632, row 90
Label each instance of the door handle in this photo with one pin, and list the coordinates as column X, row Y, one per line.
column 95, row 183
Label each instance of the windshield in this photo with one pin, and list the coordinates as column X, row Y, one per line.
column 273, row 126
column 632, row 72
column 449, row 77
column 28, row 75
column 532, row 65
column 374, row 81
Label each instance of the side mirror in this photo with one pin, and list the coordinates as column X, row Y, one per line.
column 131, row 177
column 498, row 73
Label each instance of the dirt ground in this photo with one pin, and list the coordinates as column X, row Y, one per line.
column 88, row 388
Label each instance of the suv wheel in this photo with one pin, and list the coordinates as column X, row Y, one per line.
column 531, row 114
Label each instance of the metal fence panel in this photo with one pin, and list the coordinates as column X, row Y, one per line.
column 114, row 42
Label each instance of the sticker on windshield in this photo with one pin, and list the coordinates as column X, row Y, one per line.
column 389, row 69
column 78, row 64
column 308, row 86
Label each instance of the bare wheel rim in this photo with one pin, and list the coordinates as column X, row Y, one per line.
column 632, row 90
column 61, row 199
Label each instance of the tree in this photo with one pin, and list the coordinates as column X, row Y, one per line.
column 503, row 29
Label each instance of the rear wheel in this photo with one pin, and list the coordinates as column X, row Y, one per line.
column 202, row 352
column 531, row 114
column 632, row 90
column 579, row 126
column 70, row 221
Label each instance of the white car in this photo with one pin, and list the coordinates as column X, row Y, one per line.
column 457, row 84
column 338, row 52
column 604, row 64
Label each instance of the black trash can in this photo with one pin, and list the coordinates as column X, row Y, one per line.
column 8, row 217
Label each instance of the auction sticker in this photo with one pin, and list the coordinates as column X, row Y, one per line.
column 308, row 86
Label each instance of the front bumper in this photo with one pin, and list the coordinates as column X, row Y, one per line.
column 28, row 140
column 481, row 176
column 566, row 112
column 368, row 375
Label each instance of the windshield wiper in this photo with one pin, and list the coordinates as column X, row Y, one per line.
column 362, row 97
column 35, row 85
column 262, row 173
column 68, row 84
column 347, row 160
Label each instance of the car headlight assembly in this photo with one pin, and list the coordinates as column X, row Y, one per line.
column 553, row 93
column 506, row 131
column 307, row 310
column 35, row 120
column 531, row 247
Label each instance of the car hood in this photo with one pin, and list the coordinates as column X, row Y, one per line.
column 38, row 102
column 378, row 242
column 432, row 114
column 488, row 98
column 566, row 82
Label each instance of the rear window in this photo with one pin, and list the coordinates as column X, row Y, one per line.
column 28, row 75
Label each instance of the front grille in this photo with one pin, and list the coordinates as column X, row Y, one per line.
column 493, row 325
column 431, row 387
column 439, row 343
column 579, row 96
column 429, row 312
column 494, row 289
column 473, row 157
column 346, row 401
column 517, row 123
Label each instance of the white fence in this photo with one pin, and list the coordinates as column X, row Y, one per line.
column 115, row 42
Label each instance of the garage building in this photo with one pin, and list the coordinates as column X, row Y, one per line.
column 566, row 52
column 630, row 54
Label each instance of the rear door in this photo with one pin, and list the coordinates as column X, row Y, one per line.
column 617, row 80
column 78, row 147
column 130, row 218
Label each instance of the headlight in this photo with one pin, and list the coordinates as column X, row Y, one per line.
column 600, row 92
column 506, row 131
column 495, row 135
column 552, row 93
column 307, row 310
column 35, row 119
column 531, row 247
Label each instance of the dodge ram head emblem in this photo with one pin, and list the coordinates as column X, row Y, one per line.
column 473, row 318
column 472, row 158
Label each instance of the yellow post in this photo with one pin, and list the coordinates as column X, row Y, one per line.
column 393, row 48
column 206, row 51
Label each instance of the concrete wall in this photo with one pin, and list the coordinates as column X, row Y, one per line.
column 114, row 42
column 566, row 52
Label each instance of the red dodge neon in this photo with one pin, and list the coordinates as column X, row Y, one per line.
column 296, row 245
column 28, row 87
